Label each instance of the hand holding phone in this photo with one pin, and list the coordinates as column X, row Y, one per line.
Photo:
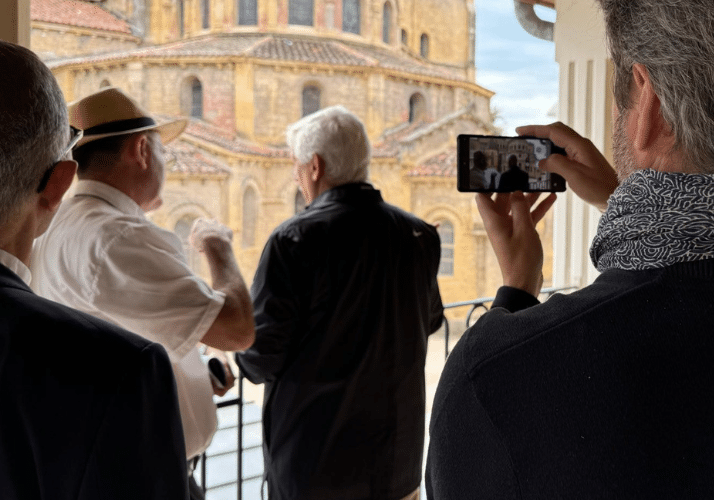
column 222, row 377
column 497, row 164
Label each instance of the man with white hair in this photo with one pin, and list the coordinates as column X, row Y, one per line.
column 87, row 409
column 345, row 296
column 605, row 392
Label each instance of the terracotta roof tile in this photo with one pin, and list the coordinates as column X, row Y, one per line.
column 77, row 13
column 192, row 161
column 388, row 144
column 231, row 142
column 441, row 165
column 283, row 48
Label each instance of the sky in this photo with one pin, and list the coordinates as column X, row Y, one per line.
column 520, row 68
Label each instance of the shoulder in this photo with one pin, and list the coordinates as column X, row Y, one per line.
column 54, row 326
column 500, row 333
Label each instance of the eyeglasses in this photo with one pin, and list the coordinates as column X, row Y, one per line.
column 75, row 136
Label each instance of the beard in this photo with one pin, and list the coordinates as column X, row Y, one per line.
column 622, row 153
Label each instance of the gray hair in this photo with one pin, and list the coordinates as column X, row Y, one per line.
column 674, row 40
column 34, row 128
column 339, row 138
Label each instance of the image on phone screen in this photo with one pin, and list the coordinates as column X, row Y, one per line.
column 504, row 164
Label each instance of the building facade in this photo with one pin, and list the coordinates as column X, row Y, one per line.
column 242, row 70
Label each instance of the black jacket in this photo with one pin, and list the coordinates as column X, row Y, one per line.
column 345, row 297
column 87, row 410
column 605, row 393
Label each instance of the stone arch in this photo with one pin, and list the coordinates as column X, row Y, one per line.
column 311, row 98
column 205, row 14
column 388, row 23
column 246, row 12
column 352, row 16
column 449, row 227
column 301, row 12
column 417, row 107
column 424, row 45
column 192, row 97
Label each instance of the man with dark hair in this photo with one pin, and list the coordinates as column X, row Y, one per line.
column 606, row 392
column 345, row 298
column 101, row 255
column 88, row 410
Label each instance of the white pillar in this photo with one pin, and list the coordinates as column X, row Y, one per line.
column 585, row 103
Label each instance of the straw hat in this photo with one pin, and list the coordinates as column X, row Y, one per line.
column 111, row 112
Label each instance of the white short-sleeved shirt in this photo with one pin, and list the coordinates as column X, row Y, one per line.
column 102, row 256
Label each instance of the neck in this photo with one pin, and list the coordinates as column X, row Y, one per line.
column 121, row 182
column 19, row 233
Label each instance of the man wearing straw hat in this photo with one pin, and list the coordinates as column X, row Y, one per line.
column 102, row 256
column 88, row 409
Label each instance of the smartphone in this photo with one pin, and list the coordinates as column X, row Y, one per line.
column 497, row 164
column 217, row 372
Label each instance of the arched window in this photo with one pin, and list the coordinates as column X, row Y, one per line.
column 351, row 19
column 387, row 23
column 446, row 234
column 250, row 217
column 299, row 202
column 301, row 12
column 192, row 97
column 417, row 107
column 405, row 38
column 247, row 12
column 424, row 45
column 182, row 229
column 182, row 16
column 105, row 83
column 205, row 14
column 310, row 99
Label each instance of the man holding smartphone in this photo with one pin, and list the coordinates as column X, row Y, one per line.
column 606, row 392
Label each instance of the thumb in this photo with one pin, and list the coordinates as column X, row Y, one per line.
column 555, row 163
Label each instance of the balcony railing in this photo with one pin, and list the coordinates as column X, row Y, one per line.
column 226, row 474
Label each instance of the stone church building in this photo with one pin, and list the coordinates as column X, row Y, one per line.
column 242, row 70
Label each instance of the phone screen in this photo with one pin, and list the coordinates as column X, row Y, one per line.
column 490, row 164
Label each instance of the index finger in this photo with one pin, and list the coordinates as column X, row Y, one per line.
column 559, row 133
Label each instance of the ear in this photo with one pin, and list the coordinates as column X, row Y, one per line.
column 58, row 184
column 651, row 129
column 137, row 150
column 317, row 168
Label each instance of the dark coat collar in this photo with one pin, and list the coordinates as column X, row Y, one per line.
column 353, row 192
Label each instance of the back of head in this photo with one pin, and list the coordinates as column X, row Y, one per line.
column 674, row 40
column 34, row 128
column 339, row 138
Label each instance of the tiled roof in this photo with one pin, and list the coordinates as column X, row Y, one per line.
column 76, row 13
column 441, row 165
column 192, row 161
column 230, row 142
column 309, row 50
column 284, row 48
column 388, row 144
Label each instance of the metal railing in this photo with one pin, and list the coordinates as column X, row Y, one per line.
column 239, row 403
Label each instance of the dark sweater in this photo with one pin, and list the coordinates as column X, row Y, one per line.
column 604, row 393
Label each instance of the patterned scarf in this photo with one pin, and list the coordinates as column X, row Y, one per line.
column 655, row 219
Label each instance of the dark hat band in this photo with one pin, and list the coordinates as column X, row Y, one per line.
column 120, row 126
